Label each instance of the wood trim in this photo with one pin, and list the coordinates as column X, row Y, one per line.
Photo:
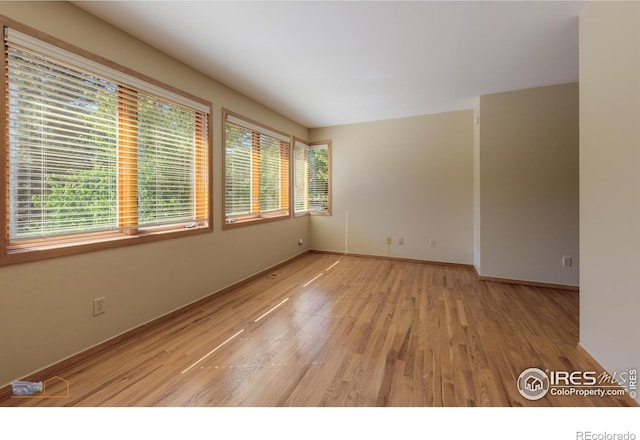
column 297, row 139
column 112, row 241
column 399, row 259
column 255, row 220
column 210, row 168
column 330, row 181
column 4, row 155
column 529, row 283
column 56, row 368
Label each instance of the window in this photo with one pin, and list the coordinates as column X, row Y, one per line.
column 312, row 177
column 256, row 162
column 96, row 155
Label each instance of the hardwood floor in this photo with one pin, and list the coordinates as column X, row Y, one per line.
column 333, row 330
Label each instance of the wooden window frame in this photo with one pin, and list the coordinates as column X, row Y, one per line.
column 40, row 249
column 308, row 212
column 285, row 184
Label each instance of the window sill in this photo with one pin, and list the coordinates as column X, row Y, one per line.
column 236, row 222
column 34, row 250
column 305, row 213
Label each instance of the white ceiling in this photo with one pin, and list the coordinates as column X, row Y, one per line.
column 331, row 63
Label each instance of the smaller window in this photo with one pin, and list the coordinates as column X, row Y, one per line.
column 256, row 162
column 312, row 177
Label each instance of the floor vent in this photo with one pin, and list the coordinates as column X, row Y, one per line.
column 274, row 275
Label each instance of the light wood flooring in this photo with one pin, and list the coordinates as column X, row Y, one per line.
column 333, row 330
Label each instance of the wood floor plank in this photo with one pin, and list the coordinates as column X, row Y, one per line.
column 332, row 330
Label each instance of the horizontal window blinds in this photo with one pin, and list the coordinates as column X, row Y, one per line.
column 256, row 170
column 170, row 157
column 92, row 149
column 238, row 160
column 311, row 168
column 301, row 165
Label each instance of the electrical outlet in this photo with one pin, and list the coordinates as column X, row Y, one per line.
column 401, row 241
column 300, row 241
column 432, row 243
column 388, row 240
column 567, row 261
column 99, row 306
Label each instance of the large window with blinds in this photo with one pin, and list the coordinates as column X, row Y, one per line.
column 256, row 162
column 312, row 177
column 93, row 154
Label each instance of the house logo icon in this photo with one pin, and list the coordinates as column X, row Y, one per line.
column 53, row 388
column 533, row 384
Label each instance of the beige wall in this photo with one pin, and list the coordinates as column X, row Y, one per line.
column 409, row 178
column 529, row 184
column 610, row 183
column 46, row 306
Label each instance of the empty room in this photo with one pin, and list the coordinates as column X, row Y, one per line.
column 320, row 204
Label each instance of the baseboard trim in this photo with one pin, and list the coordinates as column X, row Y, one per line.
column 399, row 259
column 529, row 283
column 55, row 368
column 468, row 266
